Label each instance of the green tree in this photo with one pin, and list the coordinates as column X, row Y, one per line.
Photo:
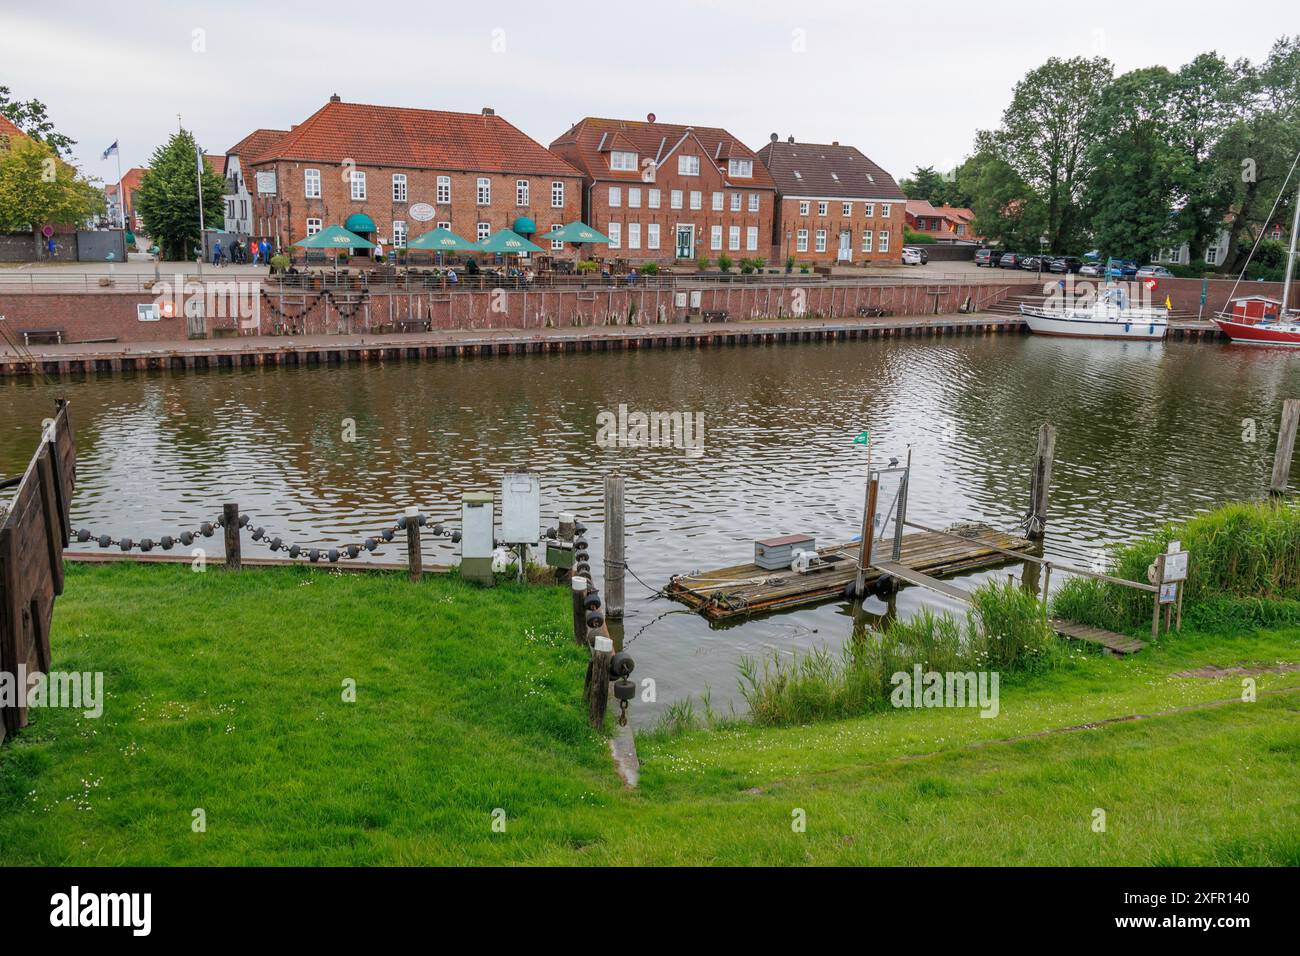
column 30, row 117
column 938, row 188
column 1007, row 211
column 38, row 188
column 168, row 199
column 1045, row 134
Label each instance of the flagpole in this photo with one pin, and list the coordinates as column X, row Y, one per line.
column 121, row 197
column 198, row 165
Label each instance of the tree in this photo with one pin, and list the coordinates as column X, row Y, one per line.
column 940, row 189
column 38, row 188
column 168, row 200
column 1007, row 211
column 31, row 119
column 1139, row 171
column 1045, row 134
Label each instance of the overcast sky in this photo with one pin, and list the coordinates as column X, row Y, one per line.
column 907, row 82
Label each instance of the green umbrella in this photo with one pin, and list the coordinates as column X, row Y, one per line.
column 508, row 243
column 576, row 231
column 334, row 237
column 442, row 240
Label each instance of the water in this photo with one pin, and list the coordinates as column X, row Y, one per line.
column 1147, row 432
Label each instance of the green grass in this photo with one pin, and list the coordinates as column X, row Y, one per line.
column 224, row 692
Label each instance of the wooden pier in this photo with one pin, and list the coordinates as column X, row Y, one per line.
column 746, row 589
column 1115, row 643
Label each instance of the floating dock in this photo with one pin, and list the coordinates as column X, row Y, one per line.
column 746, row 589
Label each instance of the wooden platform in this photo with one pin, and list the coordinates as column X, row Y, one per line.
column 747, row 589
column 1118, row 643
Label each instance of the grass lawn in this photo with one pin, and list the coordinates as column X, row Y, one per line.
column 225, row 692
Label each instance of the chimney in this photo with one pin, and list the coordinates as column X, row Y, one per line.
column 489, row 111
column 336, row 98
column 835, row 142
column 789, row 139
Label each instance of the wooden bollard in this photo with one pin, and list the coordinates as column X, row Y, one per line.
column 568, row 526
column 578, row 588
column 1285, row 446
column 597, row 689
column 414, row 559
column 230, row 524
column 1040, row 481
column 614, row 558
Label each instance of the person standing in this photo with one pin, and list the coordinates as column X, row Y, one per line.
column 216, row 254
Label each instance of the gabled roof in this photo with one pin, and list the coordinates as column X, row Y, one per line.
column 218, row 163
column 256, row 143
column 834, row 171
column 921, row 207
column 582, row 143
column 415, row 139
column 956, row 213
column 9, row 131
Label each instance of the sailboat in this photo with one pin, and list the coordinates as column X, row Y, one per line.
column 1110, row 316
column 1260, row 320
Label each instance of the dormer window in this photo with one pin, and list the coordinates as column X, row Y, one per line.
column 622, row 160
column 740, row 167
column 688, row 165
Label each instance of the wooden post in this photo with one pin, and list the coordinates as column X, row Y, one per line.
column 230, row 524
column 1040, row 481
column 567, row 526
column 578, row 588
column 614, row 560
column 414, row 559
column 1285, row 446
column 1159, row 583
column 868, row 532
column 597, row 690
column 1047, row 585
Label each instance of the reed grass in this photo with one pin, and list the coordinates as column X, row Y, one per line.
column 1004, row 631
column 1244, row 572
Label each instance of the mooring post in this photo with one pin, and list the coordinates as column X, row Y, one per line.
column 567, row 526
column 1159, row 583
column 1040, row 481
column 1285, row 446
column 614, row 546
column 230, row 524
column 414, row 560
column 602, row 650
column 868, row 532
column 578, row 588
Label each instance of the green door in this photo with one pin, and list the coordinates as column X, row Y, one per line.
column 685, row 242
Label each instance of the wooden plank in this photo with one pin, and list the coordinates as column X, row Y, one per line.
column 904, row 573
column 1119, row 643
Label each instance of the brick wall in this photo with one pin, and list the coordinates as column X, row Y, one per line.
column 86, row 316
column 833, row 222
column 283, row 217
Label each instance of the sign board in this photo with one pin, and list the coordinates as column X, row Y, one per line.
column 1176, row 566
column 1169, row 593
column 47, row 231
column 422, row 212
column 521, row 508
column 147, row 312
column 266, row 183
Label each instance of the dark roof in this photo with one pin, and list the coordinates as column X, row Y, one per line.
column 586, row 145
column 833, row 171
column 416, row 139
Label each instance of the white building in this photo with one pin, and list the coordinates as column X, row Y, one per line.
column 239, row 198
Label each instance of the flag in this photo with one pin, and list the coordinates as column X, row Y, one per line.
column 112, row 150
column 1169, row 304
column 863, row 439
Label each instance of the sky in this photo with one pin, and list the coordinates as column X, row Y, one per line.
column 908, row 83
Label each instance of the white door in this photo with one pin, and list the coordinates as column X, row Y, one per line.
column 846, row 246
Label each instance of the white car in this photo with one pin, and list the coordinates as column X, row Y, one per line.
column 911, row 257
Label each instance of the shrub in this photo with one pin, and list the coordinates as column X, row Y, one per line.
column 279, row 262
column 587, row 265
column 650, row 269
column 724, row 262
column 917, row 238
column 702, row 263
column 789, row 263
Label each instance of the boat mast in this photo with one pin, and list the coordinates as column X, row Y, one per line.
column 1290, row 258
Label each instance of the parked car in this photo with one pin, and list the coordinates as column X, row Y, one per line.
column 1011, row 260
column 920, row 250
column 911, row 257
column 1031, row 263
column 1093, row 270
column 1121, row 268
column 1064, row 264
column 987, row 257
column 1154, row 271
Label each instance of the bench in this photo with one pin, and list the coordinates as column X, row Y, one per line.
column 873, row 312
column 414, row 325
column 715, row 315
column 43, row 336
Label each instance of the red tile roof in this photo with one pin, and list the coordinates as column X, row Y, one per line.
column 9, row 130
column 256, row 143
column 833, row 171
column 921, row 207
column 218, row 163
column 582, row 146
column 417, row 139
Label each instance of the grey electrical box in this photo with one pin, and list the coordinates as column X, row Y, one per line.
column 521, row 508
column 774, row 554
column 476, row 538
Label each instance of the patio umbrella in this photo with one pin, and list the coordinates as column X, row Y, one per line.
column 336, row 238
column 507, row 242
column 577, row 232
column 441, row 240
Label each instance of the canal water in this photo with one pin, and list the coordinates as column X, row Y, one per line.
column 1147, row 432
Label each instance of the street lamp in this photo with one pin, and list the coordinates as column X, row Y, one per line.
column 1042, row 247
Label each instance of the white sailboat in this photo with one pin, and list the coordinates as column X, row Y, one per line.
column 1110, row 316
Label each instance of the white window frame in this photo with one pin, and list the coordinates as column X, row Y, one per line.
column 715, row 237
column 483, row 231
column 313, row 226
column 483, row 191
column 557, row 194
column 399, row 187
column 869, row 210
column 733, row 238
column 754, row 202
column 735, row 202
column 846, row 209
column 443, row 196
column 719, row 200
column 633, row 197
column 357, row 181
column 867, row 236
column 688, row 165
column 652, row 235
column 634, row 235
column 740, row 167
column 521, row 192
column 399, row 230
column 883, row 245
column 751, row 238
column 615, row 232
column 675, row 199
column 652, row 199
column 443, row 225
column 805, row 207
column 310, row 179
column 801, row 241
column 557, row 245
column 615, row 198
column 697, row 199
column 622, row 160
column 819, row 241
column 822, row 208
column 885, row 209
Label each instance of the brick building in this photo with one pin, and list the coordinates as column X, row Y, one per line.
column 664, row 192
column 946, row 223
column 391, row 174
column 835, row 204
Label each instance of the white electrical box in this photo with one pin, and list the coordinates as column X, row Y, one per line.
column 695, row 298
column 679, row 299
column 476, row 521
column 521, row 508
